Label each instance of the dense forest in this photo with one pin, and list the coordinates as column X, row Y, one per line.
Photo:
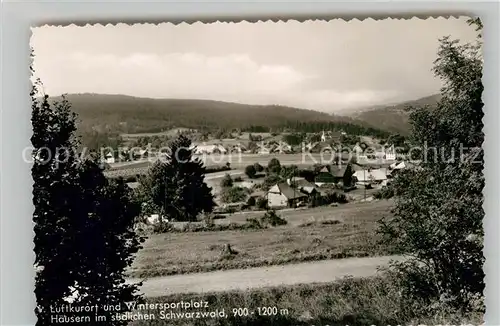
column 394, row 118
column 348, row 127
column 108, row 116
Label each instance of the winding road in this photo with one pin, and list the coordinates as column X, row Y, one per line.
column 251, row 278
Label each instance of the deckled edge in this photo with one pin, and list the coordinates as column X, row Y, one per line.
column 255, row 19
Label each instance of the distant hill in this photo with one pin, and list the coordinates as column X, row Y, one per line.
column 393, row 117
column 127, row 114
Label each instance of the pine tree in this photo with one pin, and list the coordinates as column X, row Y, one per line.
column 84, row 237
column 177, row 183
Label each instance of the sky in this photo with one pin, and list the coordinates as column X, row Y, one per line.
column 324, row 66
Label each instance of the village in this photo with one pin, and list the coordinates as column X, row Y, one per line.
column 271, row 208
column 285, row 172
column 304, row 175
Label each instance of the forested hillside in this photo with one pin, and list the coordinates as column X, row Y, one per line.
column 394, row 117
column 110, row 115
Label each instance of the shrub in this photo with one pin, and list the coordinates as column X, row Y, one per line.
column 163, row 227
column 253, row 223
column 274, row 166
column 259, row 168
column 233, row 195
column 220, row 168
column 384, row 193
column 271, row 180
column 316, row 200
column 273, row 219
column 251, row 201
column 227, row 181
column 262, row 203
column 250, row 171
column 341, row 198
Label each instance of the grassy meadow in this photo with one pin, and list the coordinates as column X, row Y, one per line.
column 366, row 301
column 314, row 234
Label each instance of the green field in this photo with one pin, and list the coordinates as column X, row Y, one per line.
column 237, row 161
column 370, row 301
column 311, row 234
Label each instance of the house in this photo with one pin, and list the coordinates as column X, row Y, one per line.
column 210, row 149
column 155, row 219
column 109, row 158
column 324, row 176
column 371, row 176
column 341, row 173
column 357, row 150
column 400, row 166
column 305, row 186
column 282, row 195
column 390, row 154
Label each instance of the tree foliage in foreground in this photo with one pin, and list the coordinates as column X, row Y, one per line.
column 177, row 185
column 83, row 223
column 438, row 210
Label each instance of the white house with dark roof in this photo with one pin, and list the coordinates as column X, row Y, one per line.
column 210, row 149
column 283, row 195
column 371, row 176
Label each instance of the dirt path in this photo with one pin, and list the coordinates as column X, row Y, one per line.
column 242, row 279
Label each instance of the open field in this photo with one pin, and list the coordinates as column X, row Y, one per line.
column 351, row 301
column 346, row 213
column 242, row 160
column 270, row 276
column 170, row 132
column 312, row 234
column 237, row 161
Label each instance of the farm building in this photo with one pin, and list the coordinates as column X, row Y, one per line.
column 334, row 174
column 357, row 150
column 390, row 154
column 282, row 195
column 371, row 176
column 400, row 166
column 305, row 186
column 109, row 158
column 324, row 176
column 210, row 149
column 342, row 173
